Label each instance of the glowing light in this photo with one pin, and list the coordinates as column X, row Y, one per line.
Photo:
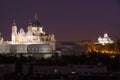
column 55, row 70
column 73, row 72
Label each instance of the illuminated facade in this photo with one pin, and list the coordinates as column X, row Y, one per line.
column 105, row 40
column 1, row 38
column 34, row 40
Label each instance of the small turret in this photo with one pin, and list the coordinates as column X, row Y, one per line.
column 105, row 35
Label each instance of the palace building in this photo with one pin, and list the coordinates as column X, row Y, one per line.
column 34, row 40
column 105, row 40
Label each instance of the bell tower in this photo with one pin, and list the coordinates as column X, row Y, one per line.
column 29, row 29
column 14, row 31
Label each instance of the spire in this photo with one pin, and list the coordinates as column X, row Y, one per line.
column 35, row 16
column 14, row 24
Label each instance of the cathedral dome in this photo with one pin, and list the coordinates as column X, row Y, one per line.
column 36, row 23
column 106, row 39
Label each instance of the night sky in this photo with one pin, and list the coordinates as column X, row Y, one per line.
column 69, row 20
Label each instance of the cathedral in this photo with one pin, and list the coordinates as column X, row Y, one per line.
column 34, row 40
column 34, row 34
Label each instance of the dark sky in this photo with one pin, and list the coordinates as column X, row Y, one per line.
column 69, row 20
